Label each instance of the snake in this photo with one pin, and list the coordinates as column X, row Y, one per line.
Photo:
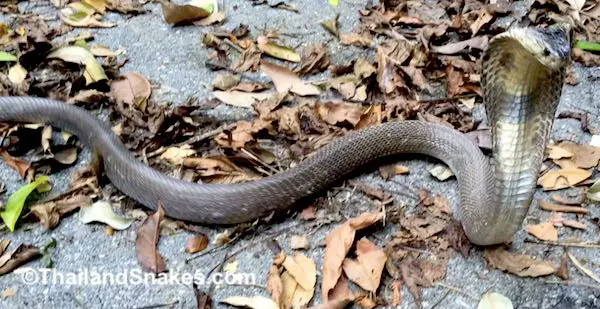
column 522, row 75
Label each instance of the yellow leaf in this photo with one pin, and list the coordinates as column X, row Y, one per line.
column 277, row 51
column 99, row 5
column 93, row 71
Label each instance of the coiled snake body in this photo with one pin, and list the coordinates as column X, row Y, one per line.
column 522, row 78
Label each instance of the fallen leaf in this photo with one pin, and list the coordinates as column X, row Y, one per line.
column 176, row 155
column 493, row 300
column 575, row 224
column 8, row 292
column 225, row 81
column 16, row 201
column 356, row 40
column 254, row 302
column 338, row 243
column 7, row 57
column 17, row 74
column 103, row 51
column 563, row 178
column 240, row 98
column 276, row 50
column 50, row 213
column 366, row 270
column 396, row 286
column 584, row 156
column 98, row 5
column 20, row 256
column 484, row 18
column 101, row 211
column 303, row 270
column 557, row 152
column 147, row 236
column 441, row 172
column 81, row 14
column 231, row 267
column 18, row 165
column 93, row 71
column 285, row 80
column 298, row 242
column 543, row 231
column 274, row 284
column 520, row 265
column 583, row 269
column 560, row 208
column 196, row 243
column 331, row 25
column 314, row 60
column 478, row 42
column 593, row 193
column 174, row 13
column 133, row 89
column 388, row 171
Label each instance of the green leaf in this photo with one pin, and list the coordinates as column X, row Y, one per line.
column 16, row 201
column 333, row 2
column 593, row 192
column 46, row 258
column 4, row 57
column 587, row 45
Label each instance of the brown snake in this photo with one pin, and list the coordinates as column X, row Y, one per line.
column 522, row 78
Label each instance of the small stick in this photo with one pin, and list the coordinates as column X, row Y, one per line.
column 582, row 269
column 457, row 290
column 561, row 208
column 563, row 244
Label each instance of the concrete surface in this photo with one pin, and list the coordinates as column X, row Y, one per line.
column 173, row 59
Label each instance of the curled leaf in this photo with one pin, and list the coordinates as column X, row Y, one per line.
column 101, row 211
column 93, row 71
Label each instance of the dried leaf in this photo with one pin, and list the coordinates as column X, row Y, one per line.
column 441, row 172
column 240, row 98
column 366, row 270
column 276, row 50
column 285, row 80
column 225, row 81
column 18, row 165
column 314, row 60
column 339, row 113
column 356, row 40
column 254, row 302
column 543, row 231
column 93, row 71
column 17, row 74
column 478, row 42
column 50, row 213
column 274, row 284
column 561, row 208
column 303, row 270
column 396, row 297
column 338, row 243
column 492, row 300
column 132, row 89
column 147, row 236
column 20, row 256
column 174, row 13
column 196, row 243
column 584, row 156
column 563, row 178
column 81, row 14
column 175, row 155
column 298, row 242
column 557, row 152
column 520, row 265
column 331, row 25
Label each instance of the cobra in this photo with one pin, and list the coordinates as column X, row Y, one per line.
column 522, row 78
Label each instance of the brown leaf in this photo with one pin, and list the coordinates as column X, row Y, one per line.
column 518, row 264
column 563, row 269
column 133, row 89
column 584, row 156
column 338, row 243
column 390, row 170
column 179, row 13
column 254, row 302
column 240, row 98
column 298, row 242
column 274, row 284
column 356, row 40
column 308, row 213
column 575, row 224
column 4, row 243
column 563, row 178
column 457, row 238
column 331, row 25
column 242, row 133
column 314, row 60
column 543, row 231
column 218, row 169
column 558, row 152
column 339, row 113
column 369, row 190
column 478, row 42
column 302, row 269
column 586, row 58
column 250, row 87
column 249, row 59
column 147, row 237
column 196, row 243
column 396, row 298
column 20, row 256
column 225, row 81
column 50, row 213
column 285, row 80
column 366, row 270
column 561, row 208
column 18, row 165
column 484, row 18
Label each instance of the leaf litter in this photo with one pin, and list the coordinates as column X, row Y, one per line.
column 418, row 48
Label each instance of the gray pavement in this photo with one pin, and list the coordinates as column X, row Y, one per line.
column 173, row 59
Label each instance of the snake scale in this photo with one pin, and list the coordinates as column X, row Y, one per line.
column 522, row 78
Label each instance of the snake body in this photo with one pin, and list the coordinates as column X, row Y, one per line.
column 522, row 78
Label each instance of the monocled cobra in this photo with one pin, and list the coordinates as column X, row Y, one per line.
column 522, row 78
